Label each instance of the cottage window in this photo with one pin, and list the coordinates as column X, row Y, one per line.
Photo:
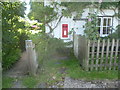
column 104, row 24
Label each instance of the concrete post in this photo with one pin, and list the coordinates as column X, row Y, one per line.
column 32, row 58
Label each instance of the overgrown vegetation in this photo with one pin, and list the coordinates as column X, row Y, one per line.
column 91, row 29
column 45, row 46
column 51, row 74
column 30, row 81
column 75, row 71
column 12, row 37
column 7, row 82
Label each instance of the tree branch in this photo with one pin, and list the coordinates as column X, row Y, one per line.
column 58, row 22
column 51, row 29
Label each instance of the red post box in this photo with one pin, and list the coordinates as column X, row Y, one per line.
column 64, row 30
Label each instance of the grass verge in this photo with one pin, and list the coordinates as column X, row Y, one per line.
column 30, row 81
column 7, row 82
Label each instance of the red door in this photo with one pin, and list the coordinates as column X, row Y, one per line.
column 64, row 30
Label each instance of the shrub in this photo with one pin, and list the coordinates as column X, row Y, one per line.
column 91, row 31
column 24, row 35
column 45, row 46
column 11, row 58
column 11, row 23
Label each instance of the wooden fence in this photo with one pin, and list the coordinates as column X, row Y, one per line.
column 97, row 55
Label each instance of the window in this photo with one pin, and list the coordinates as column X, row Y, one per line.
column 104, row 24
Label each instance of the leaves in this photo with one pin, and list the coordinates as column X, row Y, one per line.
column 91, row 29
column 10, row 32
column 39, row 12
column 71, row 7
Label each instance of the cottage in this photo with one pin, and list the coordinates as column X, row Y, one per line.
column 106, row 21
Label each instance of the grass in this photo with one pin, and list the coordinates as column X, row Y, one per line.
column 7, row 82
column 75, row 71
column 0, row 77
column 50, row 73
column 49, row 76
column 30, row 81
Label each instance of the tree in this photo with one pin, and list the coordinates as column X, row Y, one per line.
column 11, row 12
column 74, row 7
column 44, row 14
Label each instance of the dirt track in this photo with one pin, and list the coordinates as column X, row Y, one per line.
column 19, row 68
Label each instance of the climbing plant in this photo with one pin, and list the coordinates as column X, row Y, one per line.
column 91, row 29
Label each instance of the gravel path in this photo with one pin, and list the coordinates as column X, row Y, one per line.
column 71, row 83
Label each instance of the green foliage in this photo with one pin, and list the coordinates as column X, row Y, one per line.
column 11, row 58
column 23, row 35
column 44, row 11
column 11, row 12
column 46, row 46
column 72, row 7
column 91, row 29
column 51, row 72
column 109, row 5
column 30, row 82
column 0, row 75
column 7, row 82
column 75, row 71
column 43, row 14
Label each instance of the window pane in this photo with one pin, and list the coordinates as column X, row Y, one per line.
column 109, row 22
column 104, row 30
column 99, row 30
column 104, row 22
column 108, row 30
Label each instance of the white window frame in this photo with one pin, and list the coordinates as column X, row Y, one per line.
column 102, row 22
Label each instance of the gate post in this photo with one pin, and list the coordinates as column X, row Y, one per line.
column 31, row 58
